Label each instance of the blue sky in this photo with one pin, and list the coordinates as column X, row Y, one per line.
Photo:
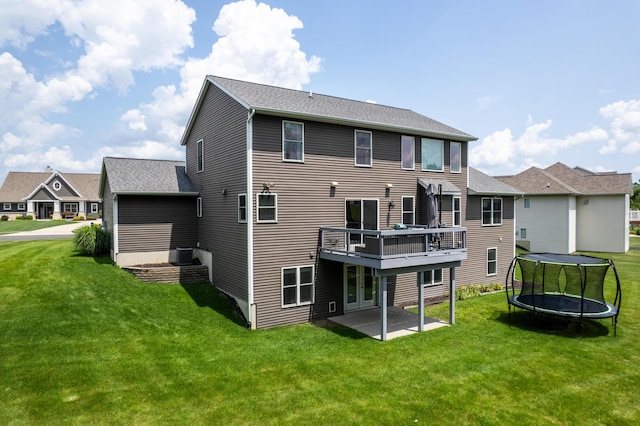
column 536, row 82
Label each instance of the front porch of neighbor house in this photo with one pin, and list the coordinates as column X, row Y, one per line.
column 393, row 252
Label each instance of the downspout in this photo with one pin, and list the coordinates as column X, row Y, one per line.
column 115, row 228
column 250, row 301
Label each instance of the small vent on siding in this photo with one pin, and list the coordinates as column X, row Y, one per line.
column 332, row 307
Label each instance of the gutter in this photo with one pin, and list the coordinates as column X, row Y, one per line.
column 250, row 299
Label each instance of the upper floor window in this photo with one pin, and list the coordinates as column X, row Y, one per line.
column 455, row 157
column 199, row 206
column 267, row 208
column 292, row 141
column 408, row 211
column 200, row 155
column 242, row 208
column 57, row 185
column 527, row 203
column 408, row 157
column 363, row 148
column 523, row 233
column 456, row 211
column 432, row 155
column 492, row 211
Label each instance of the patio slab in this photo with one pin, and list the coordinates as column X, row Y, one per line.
column 400, row 322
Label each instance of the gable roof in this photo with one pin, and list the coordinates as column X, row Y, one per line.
column 483, row 184
column 19, row 186
column 559, row 179
column 274, row 100
column 146, row 177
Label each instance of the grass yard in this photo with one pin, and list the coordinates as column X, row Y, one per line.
column 11, row 226
column 82, row 342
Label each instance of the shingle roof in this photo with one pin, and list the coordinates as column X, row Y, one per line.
column 561, row 179
column 19, row 185
column 483, row 184
column 447, row 187
column 296, row 103
column 140, row 176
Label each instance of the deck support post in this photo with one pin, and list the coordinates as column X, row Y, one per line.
column 383, row 308
column 420, row 303
column 452, row 295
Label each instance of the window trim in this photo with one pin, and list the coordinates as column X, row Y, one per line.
column 523, row 233
column 413, row 209
column 492, row 199
column 70, row 207
column 4, row 206
column 432, row 281
column 22, row 206
column 355, row 148
column 454, row 211
column 258, row 207
column 200, row 156
column 526, row 202
column 290, row 160
column 412, row 139
column 451, row 169
column 199, row 207
column 494, row 261
column 422, row 159
column 297, row 286
column 94, row 208
column 242, row 208
column 57, row 186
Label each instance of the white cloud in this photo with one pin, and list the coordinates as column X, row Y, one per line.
column 495, row 149
column 625, row 126
column 486, row 102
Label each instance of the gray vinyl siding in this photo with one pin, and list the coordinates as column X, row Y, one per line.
column 64, row 191
column 155, row 223
column 221, row 124
column 306, row 202
column 42, row 195
column 107, row 210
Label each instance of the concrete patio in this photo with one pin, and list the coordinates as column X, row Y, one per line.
column 400, row 322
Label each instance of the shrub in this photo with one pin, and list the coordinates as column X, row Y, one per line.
column 19, row 217
column 28, row 217
column 77, row 218
column 4, row 218
column 637, row 231
column 467, row 291
column 91, row 240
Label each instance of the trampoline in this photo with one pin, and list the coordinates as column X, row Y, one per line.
column 562, row 285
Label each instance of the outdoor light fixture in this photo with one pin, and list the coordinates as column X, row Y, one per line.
column 389, row 185
column 266, row 186
column 333, row 184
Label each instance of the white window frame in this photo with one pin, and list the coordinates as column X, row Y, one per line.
column 430, row 279
column 70, row 207
column 6, row 206
column 94, row 208
column 523, row 233
column 459, row 161
column 259, row 208
column 22, row 206
column 199, row 207
column 494, row 261
column 355, row 148
column 412, row 211
column 57, row 186
column 492, row 212
column 297, row 286
column 526, row 202
column 458, row 211
column 242, row 208
column 408, row 139
column 285, row 141
column 200, row 156
column 424, row 144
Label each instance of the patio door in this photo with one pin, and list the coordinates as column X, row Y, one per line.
column 360, row 288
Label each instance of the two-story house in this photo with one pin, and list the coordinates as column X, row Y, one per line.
column 311, row 206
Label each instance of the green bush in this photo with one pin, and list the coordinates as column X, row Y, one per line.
column 78, row 218
column 19, row 217
column 4, row 218
column 637, row 231
column 91, row 240
column 28, row 217
column 467, row 291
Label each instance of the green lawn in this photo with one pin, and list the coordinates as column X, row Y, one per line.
column 82, row 342
column 11, row 226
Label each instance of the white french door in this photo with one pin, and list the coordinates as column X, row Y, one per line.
column 360, row 287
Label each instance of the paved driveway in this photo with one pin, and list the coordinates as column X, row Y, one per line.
column 55, row 232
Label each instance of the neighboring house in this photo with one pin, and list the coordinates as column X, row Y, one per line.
column 149, row 209
column 565, row 210
column 50, row 195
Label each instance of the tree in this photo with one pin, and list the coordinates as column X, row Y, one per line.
column 635, row 198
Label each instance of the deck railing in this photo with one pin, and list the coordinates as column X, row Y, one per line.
column 413, row 242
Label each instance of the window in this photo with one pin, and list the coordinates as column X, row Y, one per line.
column 363, row 148
column 456, row 211
column 6, row 206
column 267, row 208
column 492, row 211
column 297, row 286
column 70, row 207
column 57, row 185
column 408, row 212
column 199, row 206
column 292, row 141
column 200, row 155
column 455, row 157
column 492, row 261
column 523, row 233
column 432, row 155
column 360, row 214
column 94, row 207
column 527, row 203
column 430, row 278
column 408, row 157
column 21, row 206
column 242, row 208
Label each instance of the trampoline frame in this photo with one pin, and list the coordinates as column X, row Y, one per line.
column 561, row 304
